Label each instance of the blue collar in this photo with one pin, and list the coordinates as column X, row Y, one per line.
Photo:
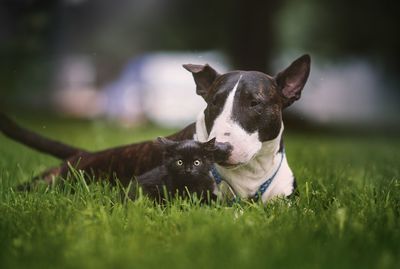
column 216, row 175
column 262, row 189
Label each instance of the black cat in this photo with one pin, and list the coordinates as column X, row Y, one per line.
column 185, row 170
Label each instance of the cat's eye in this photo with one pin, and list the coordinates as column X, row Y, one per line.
column 179, row 162
column 197, row 162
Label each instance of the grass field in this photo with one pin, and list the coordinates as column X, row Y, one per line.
column 348, row 214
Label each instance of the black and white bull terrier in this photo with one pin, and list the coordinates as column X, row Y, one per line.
column 244, row 108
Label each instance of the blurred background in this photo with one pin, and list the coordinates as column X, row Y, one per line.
column 121, row 60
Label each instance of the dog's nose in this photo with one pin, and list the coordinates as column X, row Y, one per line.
column 227, row 134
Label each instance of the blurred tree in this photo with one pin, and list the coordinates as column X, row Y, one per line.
column 244, row 29
column 252, row 34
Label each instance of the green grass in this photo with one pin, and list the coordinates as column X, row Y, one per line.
column 348, row 214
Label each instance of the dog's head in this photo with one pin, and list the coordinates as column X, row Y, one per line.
column 244, row 108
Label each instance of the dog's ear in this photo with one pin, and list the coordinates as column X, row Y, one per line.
column 291, row 81
column 204, row 76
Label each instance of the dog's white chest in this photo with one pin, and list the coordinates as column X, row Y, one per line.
column 268, row 165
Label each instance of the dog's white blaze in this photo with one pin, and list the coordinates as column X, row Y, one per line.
column 225, row 129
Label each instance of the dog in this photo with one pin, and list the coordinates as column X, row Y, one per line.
column 244, row 109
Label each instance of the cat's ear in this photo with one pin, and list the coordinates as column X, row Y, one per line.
column 210, row 145
column 218, row 152
column 165, row 142
column 222, row 152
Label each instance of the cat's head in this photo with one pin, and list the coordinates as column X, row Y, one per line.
column 189, row 157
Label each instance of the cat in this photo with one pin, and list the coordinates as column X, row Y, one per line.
column 185, row 170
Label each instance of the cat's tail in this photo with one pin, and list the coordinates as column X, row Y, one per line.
column 57, row 149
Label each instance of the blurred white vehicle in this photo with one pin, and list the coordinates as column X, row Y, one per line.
column 158, row 87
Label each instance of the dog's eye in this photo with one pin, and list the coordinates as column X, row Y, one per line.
column 179, row 162
column 197, row 162
column 254, row 103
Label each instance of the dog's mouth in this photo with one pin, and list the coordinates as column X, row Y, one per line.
column 228, row 165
